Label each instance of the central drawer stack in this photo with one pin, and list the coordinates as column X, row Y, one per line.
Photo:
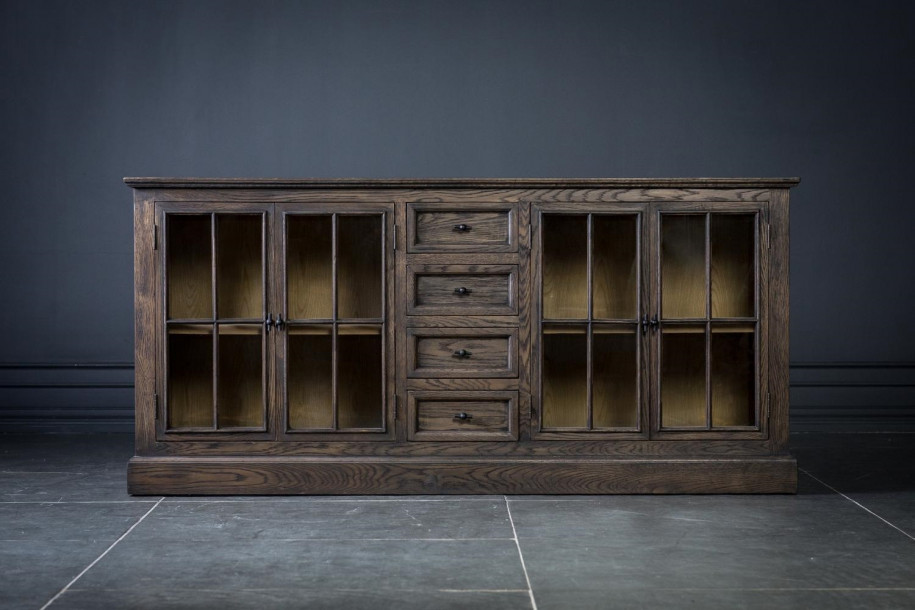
column 462, row 280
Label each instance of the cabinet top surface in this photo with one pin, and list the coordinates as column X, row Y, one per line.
column 459, row 183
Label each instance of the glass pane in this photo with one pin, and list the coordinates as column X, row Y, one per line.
column 309, row 377
column 683, row 401
column 239, row 267
column 565, row 267
column 565, row 377
column 616, row 377
column 190, row 272
column 359, row 271
column 240, row 383
column 614, row 268
column 683, row 266
column 359, row 377
column 309, row 274
column 733, row 265
column 190, row 376
column 733, row 386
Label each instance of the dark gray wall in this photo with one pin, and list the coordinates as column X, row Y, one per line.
column 93, row 91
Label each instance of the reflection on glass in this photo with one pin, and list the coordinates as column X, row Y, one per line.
column 733, row 386
column 733, row 265
column 309, row 377
column 190, row 376
column 359, row 270
column 565, row 376
column 683, row 397
column 240, row 386
column 309, row 271
column 565, row 267
column 239, row 268
column 683, row 293
column 359, row 378
column 614, row 269
column 615, row 377
column 189, row 265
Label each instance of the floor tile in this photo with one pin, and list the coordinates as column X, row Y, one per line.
column 717, row 599
column 170, row 599
column 239, row 564
column 710, row 541
column 44, row 546
column 185, row 521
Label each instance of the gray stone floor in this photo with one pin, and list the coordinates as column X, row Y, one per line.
column 71, row 537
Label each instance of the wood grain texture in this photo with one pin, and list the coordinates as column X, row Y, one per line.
column 577, row 444
column 612, row 199
column 491, row 416
column 461, row 183
column 308, row 259
column 491, row 290
column 778, row 320
column 228, row 476
column 489, row 352
column 146, row 316
column 464, row 227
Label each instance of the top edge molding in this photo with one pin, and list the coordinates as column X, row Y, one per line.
column 458, row 183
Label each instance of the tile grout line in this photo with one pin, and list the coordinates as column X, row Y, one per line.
column 530, row 590
column 105, row 552
column 858, row 504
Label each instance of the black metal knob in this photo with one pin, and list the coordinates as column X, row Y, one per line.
column 461, row 228
column 462, row 290
column 461, row 353
column 279, row 321
column 268, row 322
column 463, row 416
column 654, row 323
column 645, row 324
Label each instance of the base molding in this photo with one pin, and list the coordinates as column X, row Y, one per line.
column 338, row 476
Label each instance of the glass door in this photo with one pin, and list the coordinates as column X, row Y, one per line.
column 710, row 292
column 335, row 265
column 214, row 306
column 589, row 341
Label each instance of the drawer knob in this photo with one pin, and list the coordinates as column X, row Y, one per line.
column 463, row 416
column 461, row 228
column 462, row 290
column 461, row 353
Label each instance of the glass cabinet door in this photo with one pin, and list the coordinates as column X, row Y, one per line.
column 589, row 335
column 708, row 332
column 215, row 302
column 334, row 278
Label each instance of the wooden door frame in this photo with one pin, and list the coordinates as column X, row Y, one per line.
column 761, row 208
column 355, row 207
column 190, row 207
column 538, row 209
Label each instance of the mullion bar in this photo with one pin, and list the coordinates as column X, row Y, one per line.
column 214, row 296
column 708, row 321
column 265, row 351
column 333, row 307
column 589, row 339
column 384, row 313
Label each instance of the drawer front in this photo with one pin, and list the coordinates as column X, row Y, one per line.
column 466, row 227
column 462, row 416
column 462, row 352
column 462, row 290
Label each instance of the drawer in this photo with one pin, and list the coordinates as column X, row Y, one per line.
column 462, row 416
column 459, row 353
column 465, row 227
column 463, row 290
